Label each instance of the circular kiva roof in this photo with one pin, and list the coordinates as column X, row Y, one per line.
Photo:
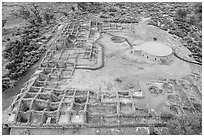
column 155, row 48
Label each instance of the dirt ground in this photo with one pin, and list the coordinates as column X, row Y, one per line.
column 120, row 63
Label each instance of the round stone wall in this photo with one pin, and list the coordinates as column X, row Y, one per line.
column 155, row 51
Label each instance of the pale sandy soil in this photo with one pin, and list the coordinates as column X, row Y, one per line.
column 120, row 63
column 131, row 69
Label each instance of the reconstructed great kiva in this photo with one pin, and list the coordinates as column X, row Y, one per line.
column 154, row 51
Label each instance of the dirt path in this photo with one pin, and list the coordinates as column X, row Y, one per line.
column 186, row 59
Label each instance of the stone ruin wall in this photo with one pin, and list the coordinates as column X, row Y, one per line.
column 43, row 103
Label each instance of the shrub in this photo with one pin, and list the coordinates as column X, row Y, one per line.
column 48, row 16
column 193, row 20
column 181, row 13
column 92, row 7
column 73, row 8
column 112, row 10
column 200, row 17
column 198, row 7
column 7, row 83
column 3, row 22
column 33, row 14
column 21, row 54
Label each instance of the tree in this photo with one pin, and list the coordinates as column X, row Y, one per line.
column 35, row 10
column 30, row 13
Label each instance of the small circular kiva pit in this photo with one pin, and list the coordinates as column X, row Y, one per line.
column 117, row 39
column 153, row 50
